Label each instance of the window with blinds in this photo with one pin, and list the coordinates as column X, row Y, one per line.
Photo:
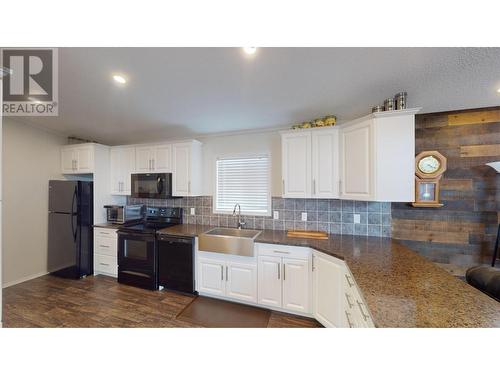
column 243, row 180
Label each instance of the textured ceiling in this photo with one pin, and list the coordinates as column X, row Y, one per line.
column 185, row 92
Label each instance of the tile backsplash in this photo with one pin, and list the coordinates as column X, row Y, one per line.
column 330, row 215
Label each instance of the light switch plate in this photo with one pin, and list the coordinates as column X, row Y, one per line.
column 276, row 215
column 192, row 211
column 304, row 216
column 357, row 218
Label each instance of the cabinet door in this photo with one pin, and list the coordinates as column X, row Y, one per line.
column 127, row 168
column 269, row 281
column 68, row 160
column 241, row 281
column 211, row 277
column 325, row 164
column 115, row 170
column 181, row 173
column 143, row 159
column 296, row 285
column 327, row 288
column 162, row 161
column 356, row 154
column 85, row 159
column 296, row 165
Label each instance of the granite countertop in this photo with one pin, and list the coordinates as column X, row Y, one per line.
column 107, row 225
column 401, row 288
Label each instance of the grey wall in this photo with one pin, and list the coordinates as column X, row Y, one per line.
column 31, row 157
column 330, row 215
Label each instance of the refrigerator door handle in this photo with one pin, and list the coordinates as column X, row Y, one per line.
column 74, row 230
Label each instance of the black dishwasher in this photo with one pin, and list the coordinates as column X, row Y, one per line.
column 176, row 263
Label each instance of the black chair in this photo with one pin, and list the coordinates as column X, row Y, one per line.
column 484, row 278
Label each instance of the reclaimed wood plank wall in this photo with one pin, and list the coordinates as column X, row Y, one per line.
column 462, row 232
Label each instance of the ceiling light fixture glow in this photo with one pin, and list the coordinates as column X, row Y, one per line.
column 119, row 79
column 498, row 91
column 250, row 50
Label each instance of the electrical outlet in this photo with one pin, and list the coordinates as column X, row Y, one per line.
column 304, row 216
column 357, row 218
column 192, row 211
column 276, row 215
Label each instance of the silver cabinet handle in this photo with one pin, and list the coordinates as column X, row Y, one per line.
column 340, row 186
column 76, row 164
column 284, row 270
column 189, row 187
column 279, row 270
column 365, row 316
column 226, row 274
column 283, row 186
column 153, row 164
column 281, row 252
column 222, row 273
column 348, row 320
column 348, row 280
column 104, row 264
column 314, row 187
column 347, row 297
column 105, row 246
column 312, row 264
column 104, row 233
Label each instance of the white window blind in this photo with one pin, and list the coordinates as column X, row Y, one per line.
column 243, row 180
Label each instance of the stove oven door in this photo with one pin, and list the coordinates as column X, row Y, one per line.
column 137, row 259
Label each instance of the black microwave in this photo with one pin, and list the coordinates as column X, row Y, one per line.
column 151, row 185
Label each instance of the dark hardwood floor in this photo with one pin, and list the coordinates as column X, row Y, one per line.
column 99, row 301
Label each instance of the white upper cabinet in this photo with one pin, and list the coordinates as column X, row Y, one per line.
column 187, row 169
column 122, row 165
column 310, row 163
column 325, row 163
column 377, row 157
column 357, row 172
column 296, row 168
column 154, row 158
column 78, row 159
column 162, row 161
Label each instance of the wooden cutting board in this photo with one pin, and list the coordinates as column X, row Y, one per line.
column 317, row 235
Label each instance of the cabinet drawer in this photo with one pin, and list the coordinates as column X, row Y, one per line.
column 105, row 246
column 106, row 264
column 105, row 232
column 294, row 252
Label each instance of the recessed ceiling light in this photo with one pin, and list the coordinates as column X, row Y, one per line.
column 498, row 90
column 119, row 79
column 250, row 50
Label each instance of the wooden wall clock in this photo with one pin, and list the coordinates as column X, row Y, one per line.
column 429, row 168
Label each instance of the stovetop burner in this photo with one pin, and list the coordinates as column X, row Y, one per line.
column 156, row 218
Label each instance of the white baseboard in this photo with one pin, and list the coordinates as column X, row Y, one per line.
column 23, row 279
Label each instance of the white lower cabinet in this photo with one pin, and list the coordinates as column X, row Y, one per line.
column 293, row 279
column 231, row 278
column 284, row 281
column 105, row 252
column 241, row 281
column 211, row 277
column 327, row 289
column 269, row 291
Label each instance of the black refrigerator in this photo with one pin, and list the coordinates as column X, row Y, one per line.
column 70, row 244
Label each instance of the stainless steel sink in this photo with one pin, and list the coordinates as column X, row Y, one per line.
column 228, row 241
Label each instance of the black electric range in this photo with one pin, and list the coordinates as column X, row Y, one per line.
column 138, row 248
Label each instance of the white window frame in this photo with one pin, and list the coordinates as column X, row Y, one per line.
column 269, row 174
